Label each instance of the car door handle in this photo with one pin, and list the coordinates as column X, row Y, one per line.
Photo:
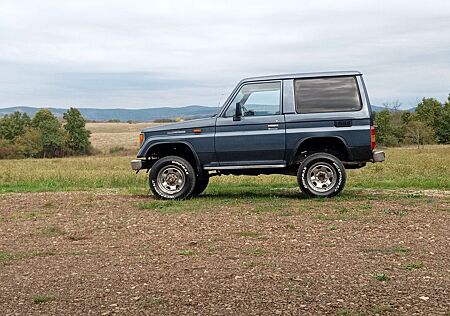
column 272, row 126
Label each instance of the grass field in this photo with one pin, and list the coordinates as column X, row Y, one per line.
column 106, row 136
column 83, row 236
column 427, row 168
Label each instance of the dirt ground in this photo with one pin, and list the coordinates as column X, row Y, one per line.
column 83, row 253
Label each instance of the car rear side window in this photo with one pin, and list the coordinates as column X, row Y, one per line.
column 332, row 94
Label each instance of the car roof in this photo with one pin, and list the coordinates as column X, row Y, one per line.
column 305, row 75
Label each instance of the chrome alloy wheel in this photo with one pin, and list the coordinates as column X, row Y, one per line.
column 321, row 177
column 171, row 179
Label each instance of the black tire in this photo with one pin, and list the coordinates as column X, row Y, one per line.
column 202, row 183
column 171, row 178
column 321, row 175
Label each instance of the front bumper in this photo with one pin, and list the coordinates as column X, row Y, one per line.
column 136, row 164
column 378, row 156
column 139, row 164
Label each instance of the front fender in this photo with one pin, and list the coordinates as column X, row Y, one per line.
column 155, row 141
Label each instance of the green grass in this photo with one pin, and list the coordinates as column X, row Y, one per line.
column 39, row 299
column 257, row 252
column 52, row 231
column 186, row 252
column 427, row 168
column 382, row 277
column 414, row 266
column 22, row 216
column 152, row 302
column 6, row 257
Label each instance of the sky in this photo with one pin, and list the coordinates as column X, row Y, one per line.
column 143, row 54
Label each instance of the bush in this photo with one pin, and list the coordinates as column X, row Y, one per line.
column 30, row 144
column 8, row 150
column 391, row 141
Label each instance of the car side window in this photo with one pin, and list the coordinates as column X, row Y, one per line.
column 332, row 94
column 257, row 99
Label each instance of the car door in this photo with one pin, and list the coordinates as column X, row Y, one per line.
column 258, row 136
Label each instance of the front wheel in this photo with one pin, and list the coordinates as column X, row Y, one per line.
column 172, row 177
column 321, row 175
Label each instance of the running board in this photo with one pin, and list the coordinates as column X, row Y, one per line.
column 245, row 167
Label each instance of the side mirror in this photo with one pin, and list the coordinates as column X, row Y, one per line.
column 238, row 113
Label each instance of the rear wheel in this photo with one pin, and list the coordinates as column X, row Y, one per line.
column 172, row 177
column 321, row 175
column 201, row 184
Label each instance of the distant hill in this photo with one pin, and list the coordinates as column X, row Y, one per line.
column 378, row 108
column 143, row 115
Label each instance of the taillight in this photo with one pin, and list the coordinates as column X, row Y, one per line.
column 141, row 139
column 372, row 138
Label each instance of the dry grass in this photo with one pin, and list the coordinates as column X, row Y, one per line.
column 118, row 127
column 105, row 141
column 109, row 135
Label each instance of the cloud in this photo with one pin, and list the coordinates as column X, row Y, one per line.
column 173, row 53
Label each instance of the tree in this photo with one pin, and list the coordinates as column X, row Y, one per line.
column 383, row 123
column 77, row 136
column 443, row 122
column 52, row 133
column 406, row 117
column 428, row 111
column 387, row 134
column 417, row 132
column 13, row 125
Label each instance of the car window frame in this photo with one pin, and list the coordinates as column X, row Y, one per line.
column 331, row 111
column 239, row 88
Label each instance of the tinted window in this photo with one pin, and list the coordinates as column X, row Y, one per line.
column 334, row 94
column 257, row 99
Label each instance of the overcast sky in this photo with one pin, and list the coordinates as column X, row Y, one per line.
column 135, row 54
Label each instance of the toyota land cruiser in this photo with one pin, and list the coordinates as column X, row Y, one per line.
column 312, row 125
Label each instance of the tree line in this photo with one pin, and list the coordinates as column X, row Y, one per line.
column 429, row 123
column 44, row 135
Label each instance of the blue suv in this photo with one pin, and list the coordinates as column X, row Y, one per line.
column 311, row 125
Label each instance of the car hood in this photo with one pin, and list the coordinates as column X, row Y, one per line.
column 197, row 123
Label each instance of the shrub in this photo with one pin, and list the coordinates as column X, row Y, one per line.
column 30, row 144
column 8, row 150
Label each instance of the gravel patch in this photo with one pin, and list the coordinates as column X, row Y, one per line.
column 100, row 253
